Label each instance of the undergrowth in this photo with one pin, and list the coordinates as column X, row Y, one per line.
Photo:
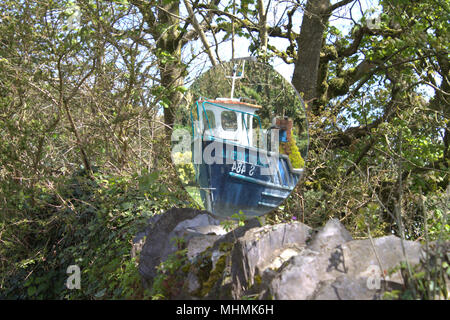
column 89, row 222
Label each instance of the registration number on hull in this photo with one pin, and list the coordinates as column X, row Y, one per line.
column 240, row 167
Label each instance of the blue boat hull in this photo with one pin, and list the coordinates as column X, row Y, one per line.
column 240, row 179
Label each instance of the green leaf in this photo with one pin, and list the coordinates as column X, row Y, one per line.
column 31, row 290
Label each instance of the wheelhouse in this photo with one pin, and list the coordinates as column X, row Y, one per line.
column 226, row 119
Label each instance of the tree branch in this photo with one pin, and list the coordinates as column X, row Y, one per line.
column 337, row 5
column 200, row 32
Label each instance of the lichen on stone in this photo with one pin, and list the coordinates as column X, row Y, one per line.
column 225, row 246
column 214, row 276
column 257, row 279
column 203, row 265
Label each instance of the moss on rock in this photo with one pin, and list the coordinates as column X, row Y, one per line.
column 226, row 246
column 214, row 276
column 257, row 279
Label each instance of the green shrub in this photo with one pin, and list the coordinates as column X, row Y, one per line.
column 84, row 222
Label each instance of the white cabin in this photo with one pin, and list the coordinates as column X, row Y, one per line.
column 228, row 119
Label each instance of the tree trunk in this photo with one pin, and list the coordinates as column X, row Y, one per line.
column 164, row 26
column 171, row 69
column 309, row 44
column 171, row 78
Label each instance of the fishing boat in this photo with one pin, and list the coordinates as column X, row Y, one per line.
column 239, row 167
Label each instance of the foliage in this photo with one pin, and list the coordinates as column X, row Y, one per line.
column 89, row 90
column 184, row 167
column 426, row 280
column 89, row 223
column 171, row 273
column 294, row 154
column 236, row 220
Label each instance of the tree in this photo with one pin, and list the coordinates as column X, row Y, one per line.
column 365, row 94
column 170, row 34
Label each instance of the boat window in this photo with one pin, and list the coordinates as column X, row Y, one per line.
column 229, row 120
column 211, row 119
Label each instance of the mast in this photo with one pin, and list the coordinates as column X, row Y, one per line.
column 234, row 78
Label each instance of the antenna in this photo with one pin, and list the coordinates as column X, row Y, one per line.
column 239, row 75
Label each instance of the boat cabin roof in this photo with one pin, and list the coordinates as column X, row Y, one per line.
column 232, row 102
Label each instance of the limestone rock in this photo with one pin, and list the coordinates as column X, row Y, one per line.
column 299, row 278
column 330, row 236
column 283, row 261
column 162, row 229
column 384, row 253
column 345, row 288
column 257, row 249
column 344, row 272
